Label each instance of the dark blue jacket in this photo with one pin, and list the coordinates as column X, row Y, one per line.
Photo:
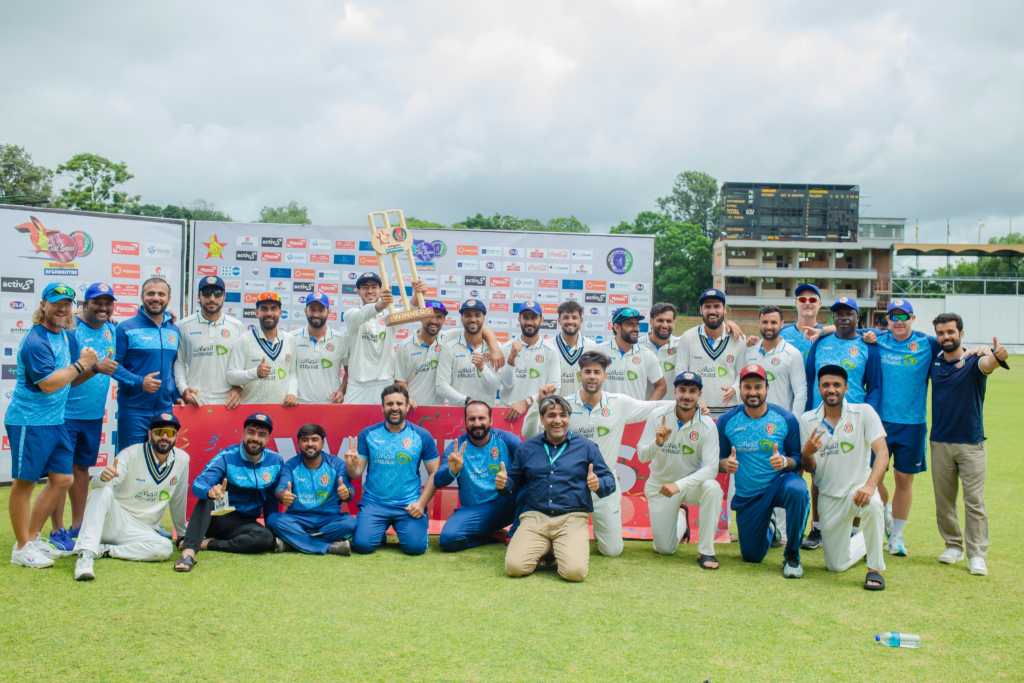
column 143, row 348
column 251, row 485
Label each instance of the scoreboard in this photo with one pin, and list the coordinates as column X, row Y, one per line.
column 790, row 211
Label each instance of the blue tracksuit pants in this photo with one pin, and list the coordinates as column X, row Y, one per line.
column 372, row 524
column 469, row 527
column 754, row 514
column 297, row 528
column 131, row 429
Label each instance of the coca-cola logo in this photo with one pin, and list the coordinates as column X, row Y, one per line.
column 537, row 268
column 522, row 296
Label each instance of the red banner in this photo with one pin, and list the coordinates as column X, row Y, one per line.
column 208, row 430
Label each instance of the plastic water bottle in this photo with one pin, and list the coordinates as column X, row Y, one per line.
column 899, row 639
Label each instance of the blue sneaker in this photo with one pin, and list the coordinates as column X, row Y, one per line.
column 62, row 541
column 165, row 533
column 73, row 532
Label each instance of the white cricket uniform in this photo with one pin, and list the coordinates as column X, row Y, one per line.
column 843, row 466
column 568, row 359
column 536, row 365
column 717, row 362
column 604, row 426
column 371, row 362
column 203, row 351
column 244, row 361
column 688, row 459
column 125, row 512
column 630, row 371
column 416, row 365
column 666, row 354
column 787, row 378
column 319, row 364
column 458, row 378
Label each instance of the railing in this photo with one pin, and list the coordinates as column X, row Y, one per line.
column 941, row 286
column 885, row 232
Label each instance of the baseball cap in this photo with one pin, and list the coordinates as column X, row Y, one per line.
column 211, row 282
column 626, row 314
column 753, row 369
column 318, row 298
column 261, row 419
column 97, row 289
column 711, row 294
column 57, row 291
column 164, row 420
column 532, row 306
column 473, row 305
column 900, row 304
column 368, row 277
column 846, row 301
column 269, row 296
column 804, row 286
column 433, row 303
column 689, row 378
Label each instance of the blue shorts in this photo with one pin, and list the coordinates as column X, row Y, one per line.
column 39, row 450
column 907, row 447
column 85, row 439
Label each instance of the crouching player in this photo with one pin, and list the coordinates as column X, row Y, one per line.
column 684, row 463
column 838, row 439
column 312, row 488
column 128, row 499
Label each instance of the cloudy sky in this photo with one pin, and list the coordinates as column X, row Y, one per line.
column 537, row 109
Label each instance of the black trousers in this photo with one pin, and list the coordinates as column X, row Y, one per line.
column 232, row 533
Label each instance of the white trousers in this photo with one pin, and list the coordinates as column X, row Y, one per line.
column 667, row 521
column 364, row 393
column 607, row 521
column 108, row 523
column 842, row 551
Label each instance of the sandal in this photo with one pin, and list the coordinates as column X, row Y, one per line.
column 188, row 560
column 705, row 560
column 877, row 579
column 686, row 513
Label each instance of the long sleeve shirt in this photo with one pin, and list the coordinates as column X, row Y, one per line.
column 787, row 379
column 555, row 477
column 202, row 360
column 145, row 488
column 688, row 457
column 480, row 464
column 251, row 485
column 142, row 348
column 535, row 365
column 370, row 344
column 458, row 378
column 244, row 361
column 315, row 490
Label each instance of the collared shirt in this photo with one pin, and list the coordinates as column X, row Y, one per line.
column 844, row 459
column 905, row 368
column 787, row 378
column 244, row 361
column 144, row 488
column 666, row 355
column 393, row 467
column 630, row 371
column 40, row 354
column 251, row 484
column 458, row 378
column 861, row 362
column 754, row 440
column 372, row 342
column 795, row 336
column 536, row 365
column 688, row 456
column 314, row 489
column 555, row 477
column 319, row 364
column 141, row 347
column 480, row 464
column 568, row 360
column 416, row 365
column 958, row 396
column 718, row 362
column 202, row 360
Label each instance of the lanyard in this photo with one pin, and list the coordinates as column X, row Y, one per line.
column 558, row 453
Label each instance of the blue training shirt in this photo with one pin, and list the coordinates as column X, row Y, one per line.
column 40, row 354
column 393, row 470
column 755, row 441
column 906, row 366
column 315, row 490
column 251, row 485
column 480, row 464
column 88, row 401
column 861, row 362
column 792, row 334
column 141, row 348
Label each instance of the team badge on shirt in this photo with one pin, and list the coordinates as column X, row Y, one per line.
column 729, row 358
column 606, row 412
column 266, row 477
column 693, row 435
column 324, row 479
column 170, row 338
column 225, row 333
column 495, row 453
column 775, row 361
column 406, row 442
column 959, row 363
column 107, row 335
column 848, row 428
column 770, row 428
column 854, row 351
column 636, row 360
column 914, row 346
column 174, row 480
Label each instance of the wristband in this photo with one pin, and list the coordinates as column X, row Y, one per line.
column 78, row 366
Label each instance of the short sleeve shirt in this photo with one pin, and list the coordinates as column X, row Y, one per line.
column 958, row 395
column 393, row 470
column 88, row 401
column 40, row 354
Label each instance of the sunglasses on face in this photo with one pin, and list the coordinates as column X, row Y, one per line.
column 215, row 293
column 899, row 317
column 807, row 299
column 165, row 432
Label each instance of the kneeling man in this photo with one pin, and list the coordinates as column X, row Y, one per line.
column 312, row 488
column 683, row 454
column 839, row 438
column 559, row 470
column 128, row 499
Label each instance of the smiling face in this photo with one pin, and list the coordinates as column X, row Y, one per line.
column 529, row 323
column 592, row 377
column 570, row 323
column 832, row 389
column 99, row 309
column 555, row 422
column 628, row 330
column 473, row 320
column 212, row 300
column 311, row 446
column 687, row 396
column 753, row 391
column 316, row 315
column 57, row 315
column 255, row 438
column 901, row 329
column 663, row 324
column 163, row 439
column 808, row 308
column 712, row 312
column 949, row 336
column 395, row 408
column 269, row 313
column 845, row 319
column 369, row 292
column 156, row 297
column 433, row 325
column 478, row 422
column 770, row 324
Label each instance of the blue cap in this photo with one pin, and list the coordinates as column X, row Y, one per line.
column 531, row 306
column 473, row 305
column 689, row 378
column 211, row 282
column 58, row 291
column 164, row 420
column 711, row 294
column 260, row 418
column 368, row 277
column 433, row 303
column 806, row 285
column 900, row 304
column 318, row 298
column 626, row 314
column 847, row 301
column 98, row 289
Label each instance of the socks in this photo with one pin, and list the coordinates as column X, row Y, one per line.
column 854, row 529
column 816, row 525
column 89, row 553
column 898, row 525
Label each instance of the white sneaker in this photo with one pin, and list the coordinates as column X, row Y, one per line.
column 29, row 557
column 951, row 556
column 50, row 550
column 976, row 565
column 897, row 547
column 83, row 568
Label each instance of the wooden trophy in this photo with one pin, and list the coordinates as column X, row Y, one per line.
column 394, row 240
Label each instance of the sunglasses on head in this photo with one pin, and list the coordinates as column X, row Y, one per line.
column 168, row 432
column 807, row 299
column 216, row 293
column 899, row 317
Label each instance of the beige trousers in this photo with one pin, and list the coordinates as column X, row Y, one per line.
column 953, row 464
column 567, row 535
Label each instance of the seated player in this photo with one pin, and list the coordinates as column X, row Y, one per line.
column 684, row 463
column 391, row 452
column 312, row 488
column 128, row 499
column 248, row 472
column 838, row 440
column 473, row 460
column 749, row 437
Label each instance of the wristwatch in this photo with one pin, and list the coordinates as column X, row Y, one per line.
column 529, row 401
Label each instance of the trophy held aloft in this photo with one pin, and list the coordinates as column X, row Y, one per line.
column 393, row 240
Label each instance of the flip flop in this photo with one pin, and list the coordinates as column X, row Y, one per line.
column 188, row 560
column 686, row 513
column 703, row 561
column 874, row 576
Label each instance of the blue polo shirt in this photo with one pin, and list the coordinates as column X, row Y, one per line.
column 905, row 370
column 755, row 440
column 88, row 401
column 393, row 470
column 958, row 394
column 480, row 464
column 792, row 334
column 40, row 354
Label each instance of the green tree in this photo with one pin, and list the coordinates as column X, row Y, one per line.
column 199, row 210
column 151, row 210
column 417, row 223
column 20, row 177
column 694, row 199
column 94, row 185
column 570, row 224
column 293, row 213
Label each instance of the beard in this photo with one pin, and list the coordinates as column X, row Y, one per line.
column 479, row 433
column 317, row 323
column 252, row 447
column 754, row 401
column 314, row 456
column 162, row 447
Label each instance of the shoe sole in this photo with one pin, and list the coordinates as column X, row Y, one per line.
column 810, row 547
column 85, row 577
column 31, row 566
column 975, row 573
column 951, row 561
column 792, row 576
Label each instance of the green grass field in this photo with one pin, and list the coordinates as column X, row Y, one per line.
column 440, row 617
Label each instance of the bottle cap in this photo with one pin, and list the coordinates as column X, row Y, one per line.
column 877, row 637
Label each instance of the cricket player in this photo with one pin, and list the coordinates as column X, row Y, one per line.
column 570, row 345
column 661, row 342
column 248, row 473
column 601, row 417
column 322, row 353
column 207, row 337
column 390, row 452
column 633, row 366
column 418, row 358
column 682, row 447
column 264, row 361
column 839, row 439
column 713, row 353
column 749, row 438
column 312, row 488
column 35, row 424
column 473, row 460
column 128, row 499
column 808, row 303
column 529, row 364
column 463, row 371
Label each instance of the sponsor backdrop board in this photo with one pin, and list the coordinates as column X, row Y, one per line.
column 502, row 269
column 77, row 248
